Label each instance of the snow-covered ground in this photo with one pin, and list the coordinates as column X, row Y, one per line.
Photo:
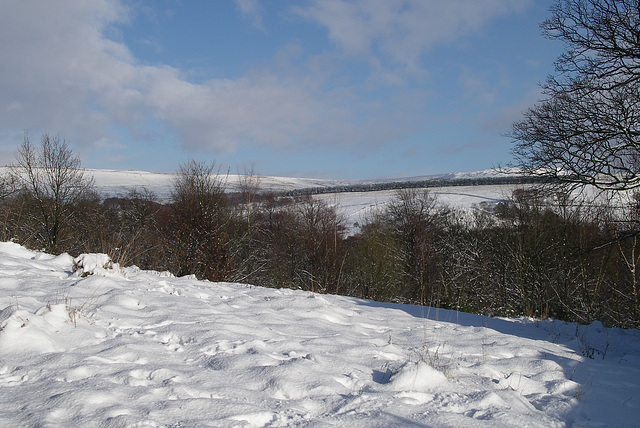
column 129, row 348
column 115, row 182
column 118, row 182
column 353, row 206
column 356, row 207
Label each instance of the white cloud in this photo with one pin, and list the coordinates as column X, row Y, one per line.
column 400, row 32
column 54, row 60
column 61, row 73
column 252, row 9
column 223, row 113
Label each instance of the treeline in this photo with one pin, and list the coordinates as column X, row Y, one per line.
column 539, row 254
column 416, row 184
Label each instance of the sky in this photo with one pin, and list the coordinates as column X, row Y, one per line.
column 359, row 89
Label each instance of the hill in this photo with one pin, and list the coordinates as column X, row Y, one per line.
column 114, row 182
column 111, row 347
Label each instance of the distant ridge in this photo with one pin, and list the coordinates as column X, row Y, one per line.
column 445, row 181
column 111, row 182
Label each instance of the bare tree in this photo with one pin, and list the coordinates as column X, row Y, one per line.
column 415, row 220
column 376, row 261
column 52, row 178
column 128, row 231
column 249, row 188
column 196, row 229
column 586, row 129
column 602, row 37
column 320, row 235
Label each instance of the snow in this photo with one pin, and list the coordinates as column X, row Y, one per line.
column 354, row 207
column 110, row 182
column 357, row 207
column 115, row 182
column 120, row 347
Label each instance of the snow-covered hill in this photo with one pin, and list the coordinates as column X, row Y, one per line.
column 127, row 348
column 353, row 206
column 115, row 182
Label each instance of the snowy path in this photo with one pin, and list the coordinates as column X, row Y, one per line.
column 146, row 349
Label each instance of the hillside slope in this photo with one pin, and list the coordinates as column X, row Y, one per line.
column 115, row 347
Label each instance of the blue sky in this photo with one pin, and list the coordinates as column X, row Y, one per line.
column 321, row 88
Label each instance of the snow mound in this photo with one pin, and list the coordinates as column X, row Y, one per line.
column 52, row 328
column 94, row 264
column 418, row 376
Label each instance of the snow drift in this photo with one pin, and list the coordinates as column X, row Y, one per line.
column 87, row 343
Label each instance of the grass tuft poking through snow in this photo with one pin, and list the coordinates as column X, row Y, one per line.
column 124, row 347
